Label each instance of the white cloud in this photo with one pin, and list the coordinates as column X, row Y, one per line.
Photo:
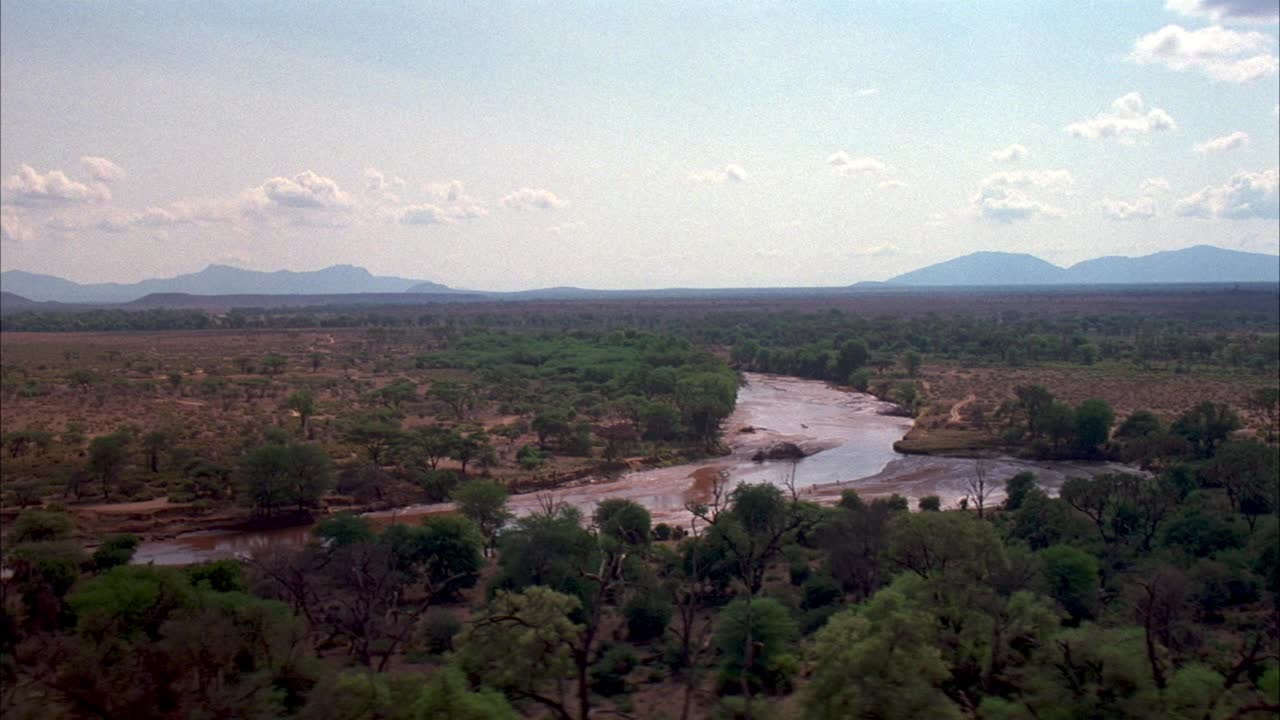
column 1129, row 117
column 29, row 187
column 1220, row 54
column 1143, row 208
column 305, row 190
column 1152, row 186
column 883, row 250
column 450, row 204
column 715, row 176
column 447, row 191
column 13, row 227
column 1246, row 195
column 101, row 169
column 425, row 214
column 867, row 91
column 1056, row 179
column 844, row 165
column 1223, row 143
column 891, row 184
column 1009, row 154
column 379, row 183
column 1262, row 11
column 1002, row 198
column 533, row 198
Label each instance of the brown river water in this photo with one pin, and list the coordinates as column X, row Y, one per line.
column 850, row 435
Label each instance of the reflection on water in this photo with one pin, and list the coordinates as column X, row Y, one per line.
column 855, row 439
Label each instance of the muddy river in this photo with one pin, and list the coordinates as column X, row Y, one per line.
column 850, row 436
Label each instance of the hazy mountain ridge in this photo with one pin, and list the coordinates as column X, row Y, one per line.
column 214, row 280
column 1198, row 264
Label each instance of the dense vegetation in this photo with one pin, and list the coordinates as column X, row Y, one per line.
column 1126, row 595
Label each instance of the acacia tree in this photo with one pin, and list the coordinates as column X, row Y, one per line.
column 107, row 458
column 303, row 403
column 484, row 502
column 274, row 476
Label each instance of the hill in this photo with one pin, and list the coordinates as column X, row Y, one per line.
column 1198, row 264
column 213, row 280
column 985, row 268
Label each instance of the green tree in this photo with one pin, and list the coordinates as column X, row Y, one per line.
column 458, row 397
column 1017, row 488
column 275, row 476
column 344, row 528
column 622, row 521
column 114, row 551
column 303, row 403
column 447, row 697
column 484, row 502
column 107, row 459
column 852, row 356
column 1034, row 402
column 1071, row 576
column 1093, row 420
column 522, row 644
column 878, row 661
column 1206, row 425
column 754, row 636
column 911, row 361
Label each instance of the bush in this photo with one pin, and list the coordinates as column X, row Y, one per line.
column 647, row 614
column 115, row 550
column 438, row 484
column 40, row 526
column 609, row 674
column 661, row 532
column 437, row 629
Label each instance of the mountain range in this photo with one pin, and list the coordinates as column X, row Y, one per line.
column 214, row 280
column 1199, row 264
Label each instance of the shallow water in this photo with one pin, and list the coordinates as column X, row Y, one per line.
column 850, row 433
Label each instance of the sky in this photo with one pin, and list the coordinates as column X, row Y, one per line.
column 506, row 146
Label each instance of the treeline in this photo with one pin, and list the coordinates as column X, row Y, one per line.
column 830, row 345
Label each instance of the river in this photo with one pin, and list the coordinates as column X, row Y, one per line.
column 850, row 436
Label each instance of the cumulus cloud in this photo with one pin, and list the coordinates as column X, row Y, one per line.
column 1128, row 118
column 1009, row 154
column 379, row 183
column 425, row 214
column 13, row 227
column 1246, row 195
column 845, row 165
column 1154, row 185
column 1220, row 54
column 1262, row 11
column 29, row 187
column 448, row 191
column 101, row 169
column 305, row 190
column 1002, row 196
column 1143, row 208
column 1223, row 143
column 715, row 176
column 533, row 199
column 435, row 214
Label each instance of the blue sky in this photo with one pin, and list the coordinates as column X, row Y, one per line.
column 507, row 146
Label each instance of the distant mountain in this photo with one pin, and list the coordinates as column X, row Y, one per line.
column 985, row 268
column 1202, row 263
column 1198, row 264
column 213, row 280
